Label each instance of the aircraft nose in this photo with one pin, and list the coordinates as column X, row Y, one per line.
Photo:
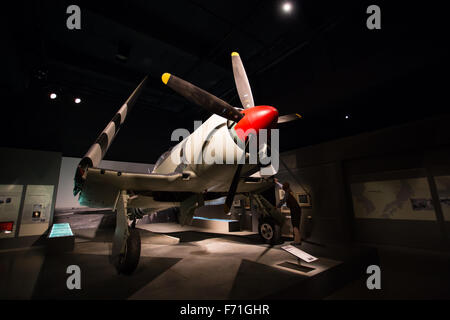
column 265, row 117
column 256, row 118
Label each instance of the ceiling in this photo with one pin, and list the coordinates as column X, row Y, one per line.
column 320, row 61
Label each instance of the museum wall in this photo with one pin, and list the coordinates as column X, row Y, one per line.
column 327, row 212
column 390, row 186
column 28, row 186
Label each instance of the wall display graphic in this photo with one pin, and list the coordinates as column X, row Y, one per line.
column 443, row 190
column 36, row 210
column 404, row 199
column 10, row 197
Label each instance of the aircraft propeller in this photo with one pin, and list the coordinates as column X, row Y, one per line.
column 202, row 98
column 262, row 116
column 289, row 118
column 241, row 81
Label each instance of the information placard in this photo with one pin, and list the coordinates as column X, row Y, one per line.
column 36, row 210
column 299, row 253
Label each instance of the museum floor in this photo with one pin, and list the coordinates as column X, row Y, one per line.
column 186, row 263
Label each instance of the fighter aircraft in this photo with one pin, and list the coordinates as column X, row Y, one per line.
column 178, row 180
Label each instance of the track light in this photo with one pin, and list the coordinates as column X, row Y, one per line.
column 77, row 100
column 287, row 7
column 53, row 96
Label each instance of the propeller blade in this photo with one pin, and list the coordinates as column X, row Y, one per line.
column 241, row 80
column 289, row 118
column 202, row 98
column 233, row 187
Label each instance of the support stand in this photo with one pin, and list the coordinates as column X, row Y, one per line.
column 296, row 266
column 121, row 233
column 126, row 249
column 300, row 255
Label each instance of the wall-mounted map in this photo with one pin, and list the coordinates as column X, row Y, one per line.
column 404, row 199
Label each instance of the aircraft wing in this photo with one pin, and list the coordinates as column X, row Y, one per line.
column 142, row 181
column 101, row 186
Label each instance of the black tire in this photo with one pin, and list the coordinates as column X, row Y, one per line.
column 129, row 261
column 269, row 231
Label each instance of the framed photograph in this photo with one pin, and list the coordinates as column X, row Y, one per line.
column 303, row 199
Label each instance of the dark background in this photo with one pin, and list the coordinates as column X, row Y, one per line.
column 320, row 61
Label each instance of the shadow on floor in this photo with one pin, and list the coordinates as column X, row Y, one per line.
column 256, row 280
column 105, row 234
column 192, row 236
column 99, row 280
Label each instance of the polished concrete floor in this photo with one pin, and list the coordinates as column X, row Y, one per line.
column 406, row 274
column 193, row 263
column 180, row 264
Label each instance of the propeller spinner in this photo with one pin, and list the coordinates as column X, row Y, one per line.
column 251, row 118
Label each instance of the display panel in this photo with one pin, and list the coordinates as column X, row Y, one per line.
column 60, row 230
column 303, row 199
column 36, row 210
column 403, row 199
column 443, row 189
column 10, row 198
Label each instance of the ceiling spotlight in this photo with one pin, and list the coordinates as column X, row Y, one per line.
column 287, row 7
column 77, row 100
column 347, row 117
column 53, row 96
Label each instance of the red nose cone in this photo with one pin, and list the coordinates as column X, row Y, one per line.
column 256, row 118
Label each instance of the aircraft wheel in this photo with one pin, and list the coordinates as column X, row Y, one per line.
column 130, row 259
column 270, row 231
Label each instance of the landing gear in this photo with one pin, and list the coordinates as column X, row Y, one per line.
column 269, row 230
column 126, row 248
column 129, row 259
column 271, row 220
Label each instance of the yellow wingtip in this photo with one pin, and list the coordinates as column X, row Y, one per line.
column 165, row 77
column 234, row 54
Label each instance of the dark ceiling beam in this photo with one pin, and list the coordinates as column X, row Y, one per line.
column 280, row 57
column 112, row 88
column 139, row 26
column 230, row 23
column 213, row 52
column 135, row 25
